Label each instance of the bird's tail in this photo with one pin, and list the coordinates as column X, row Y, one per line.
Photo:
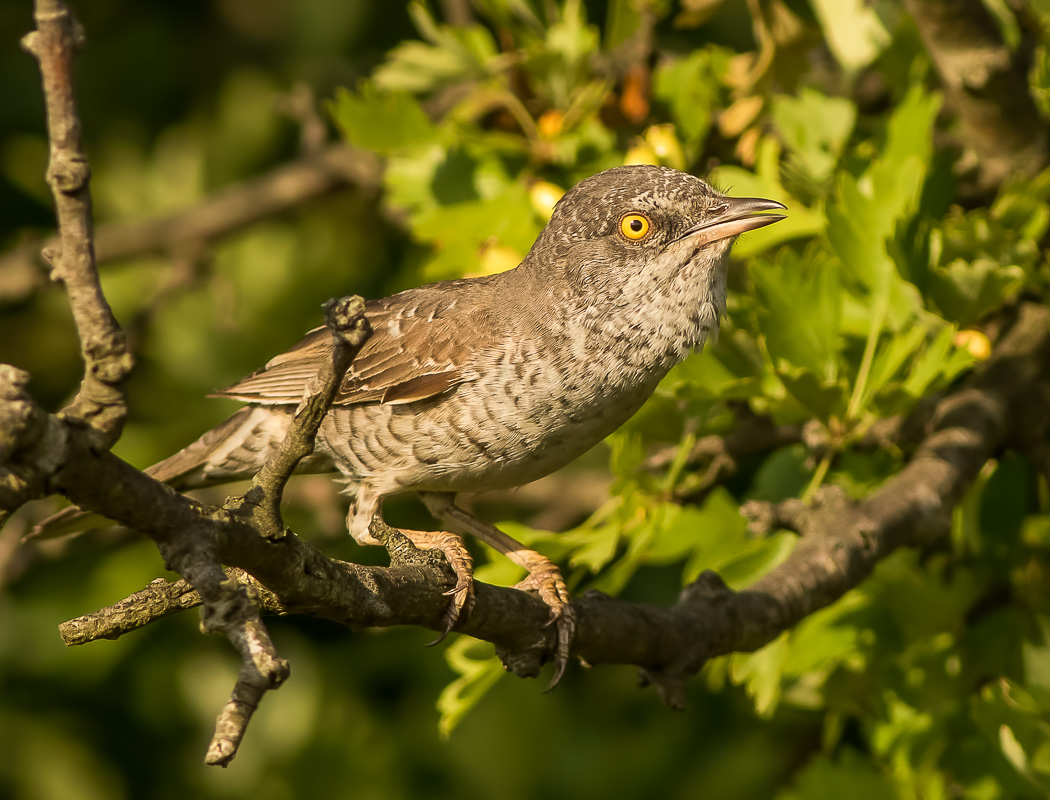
column 234, row 450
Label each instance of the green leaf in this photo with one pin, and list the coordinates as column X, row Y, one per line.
column 712, row 533
column 478, row 672
column 451, row 55
column 798, row 313
column 826, row 639
column 419, row 68
column 891, row 356
column 815, row 128
column 679, row 530
column 691, row 88
column 460, row 231
column 853, row 31
column 938, row 364
column 594, row 547
column 964, row 291
column 760, row 673
column 384, row 122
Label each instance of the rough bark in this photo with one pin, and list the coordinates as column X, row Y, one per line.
column 987, row 87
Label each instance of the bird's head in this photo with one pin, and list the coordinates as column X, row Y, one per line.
column 642, row 224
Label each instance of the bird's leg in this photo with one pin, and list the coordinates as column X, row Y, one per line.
column 367, row 527
column 544, row 577
column 451, row 546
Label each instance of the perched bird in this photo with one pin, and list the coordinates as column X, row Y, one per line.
column 492, row 382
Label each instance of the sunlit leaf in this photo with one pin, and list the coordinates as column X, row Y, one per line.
column 478, row 672
column 854, row 32
column 815, row 128
column 386, row 122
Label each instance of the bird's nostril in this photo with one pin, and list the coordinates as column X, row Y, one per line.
column 719, row 209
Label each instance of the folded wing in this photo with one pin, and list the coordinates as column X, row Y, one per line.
column 416, row 351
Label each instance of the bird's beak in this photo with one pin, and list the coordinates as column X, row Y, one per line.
column 735, row 215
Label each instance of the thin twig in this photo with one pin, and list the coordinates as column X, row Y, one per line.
column 350, row 329
column 228, row 607
column 100, row 403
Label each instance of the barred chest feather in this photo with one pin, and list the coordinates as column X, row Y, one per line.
column 537, row 409
column 633, row 334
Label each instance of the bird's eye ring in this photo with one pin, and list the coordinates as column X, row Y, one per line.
column 634, row 226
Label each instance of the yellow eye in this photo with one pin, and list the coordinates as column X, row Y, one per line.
column 634, row 226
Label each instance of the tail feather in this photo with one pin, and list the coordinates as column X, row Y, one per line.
column 234, row 450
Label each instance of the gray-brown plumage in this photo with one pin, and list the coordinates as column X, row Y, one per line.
column 492, row 382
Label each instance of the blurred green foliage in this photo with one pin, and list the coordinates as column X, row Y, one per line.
column 930, row 680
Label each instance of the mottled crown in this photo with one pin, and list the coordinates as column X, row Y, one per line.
column 594, row 207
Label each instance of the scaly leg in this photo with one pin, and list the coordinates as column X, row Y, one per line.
column 456, row 554
column 366, row 526
column 544, row 577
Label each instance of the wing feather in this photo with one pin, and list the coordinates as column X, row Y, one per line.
column 423, row 343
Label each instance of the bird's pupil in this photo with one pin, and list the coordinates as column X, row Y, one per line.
column 636, row 225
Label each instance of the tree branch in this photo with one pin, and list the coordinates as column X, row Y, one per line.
column 986, row 86
column 100, row 404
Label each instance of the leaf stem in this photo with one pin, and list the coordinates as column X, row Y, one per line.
column 818, row 478
column 877, row 319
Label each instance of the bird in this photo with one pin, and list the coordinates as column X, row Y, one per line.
column 492, row 382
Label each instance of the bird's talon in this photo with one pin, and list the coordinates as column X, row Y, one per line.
column 458, row 557
column 559, row 670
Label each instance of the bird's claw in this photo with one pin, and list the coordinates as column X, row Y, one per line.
column 546, row 580
column 459, row 558
column 462, row 595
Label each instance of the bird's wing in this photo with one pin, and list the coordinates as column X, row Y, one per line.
column 418, row 349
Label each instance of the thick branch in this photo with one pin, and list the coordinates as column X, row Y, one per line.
column 100, row 403
column 987, row 87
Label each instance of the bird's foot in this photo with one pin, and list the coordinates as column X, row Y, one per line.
column 455, row 552
column 546, row 580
